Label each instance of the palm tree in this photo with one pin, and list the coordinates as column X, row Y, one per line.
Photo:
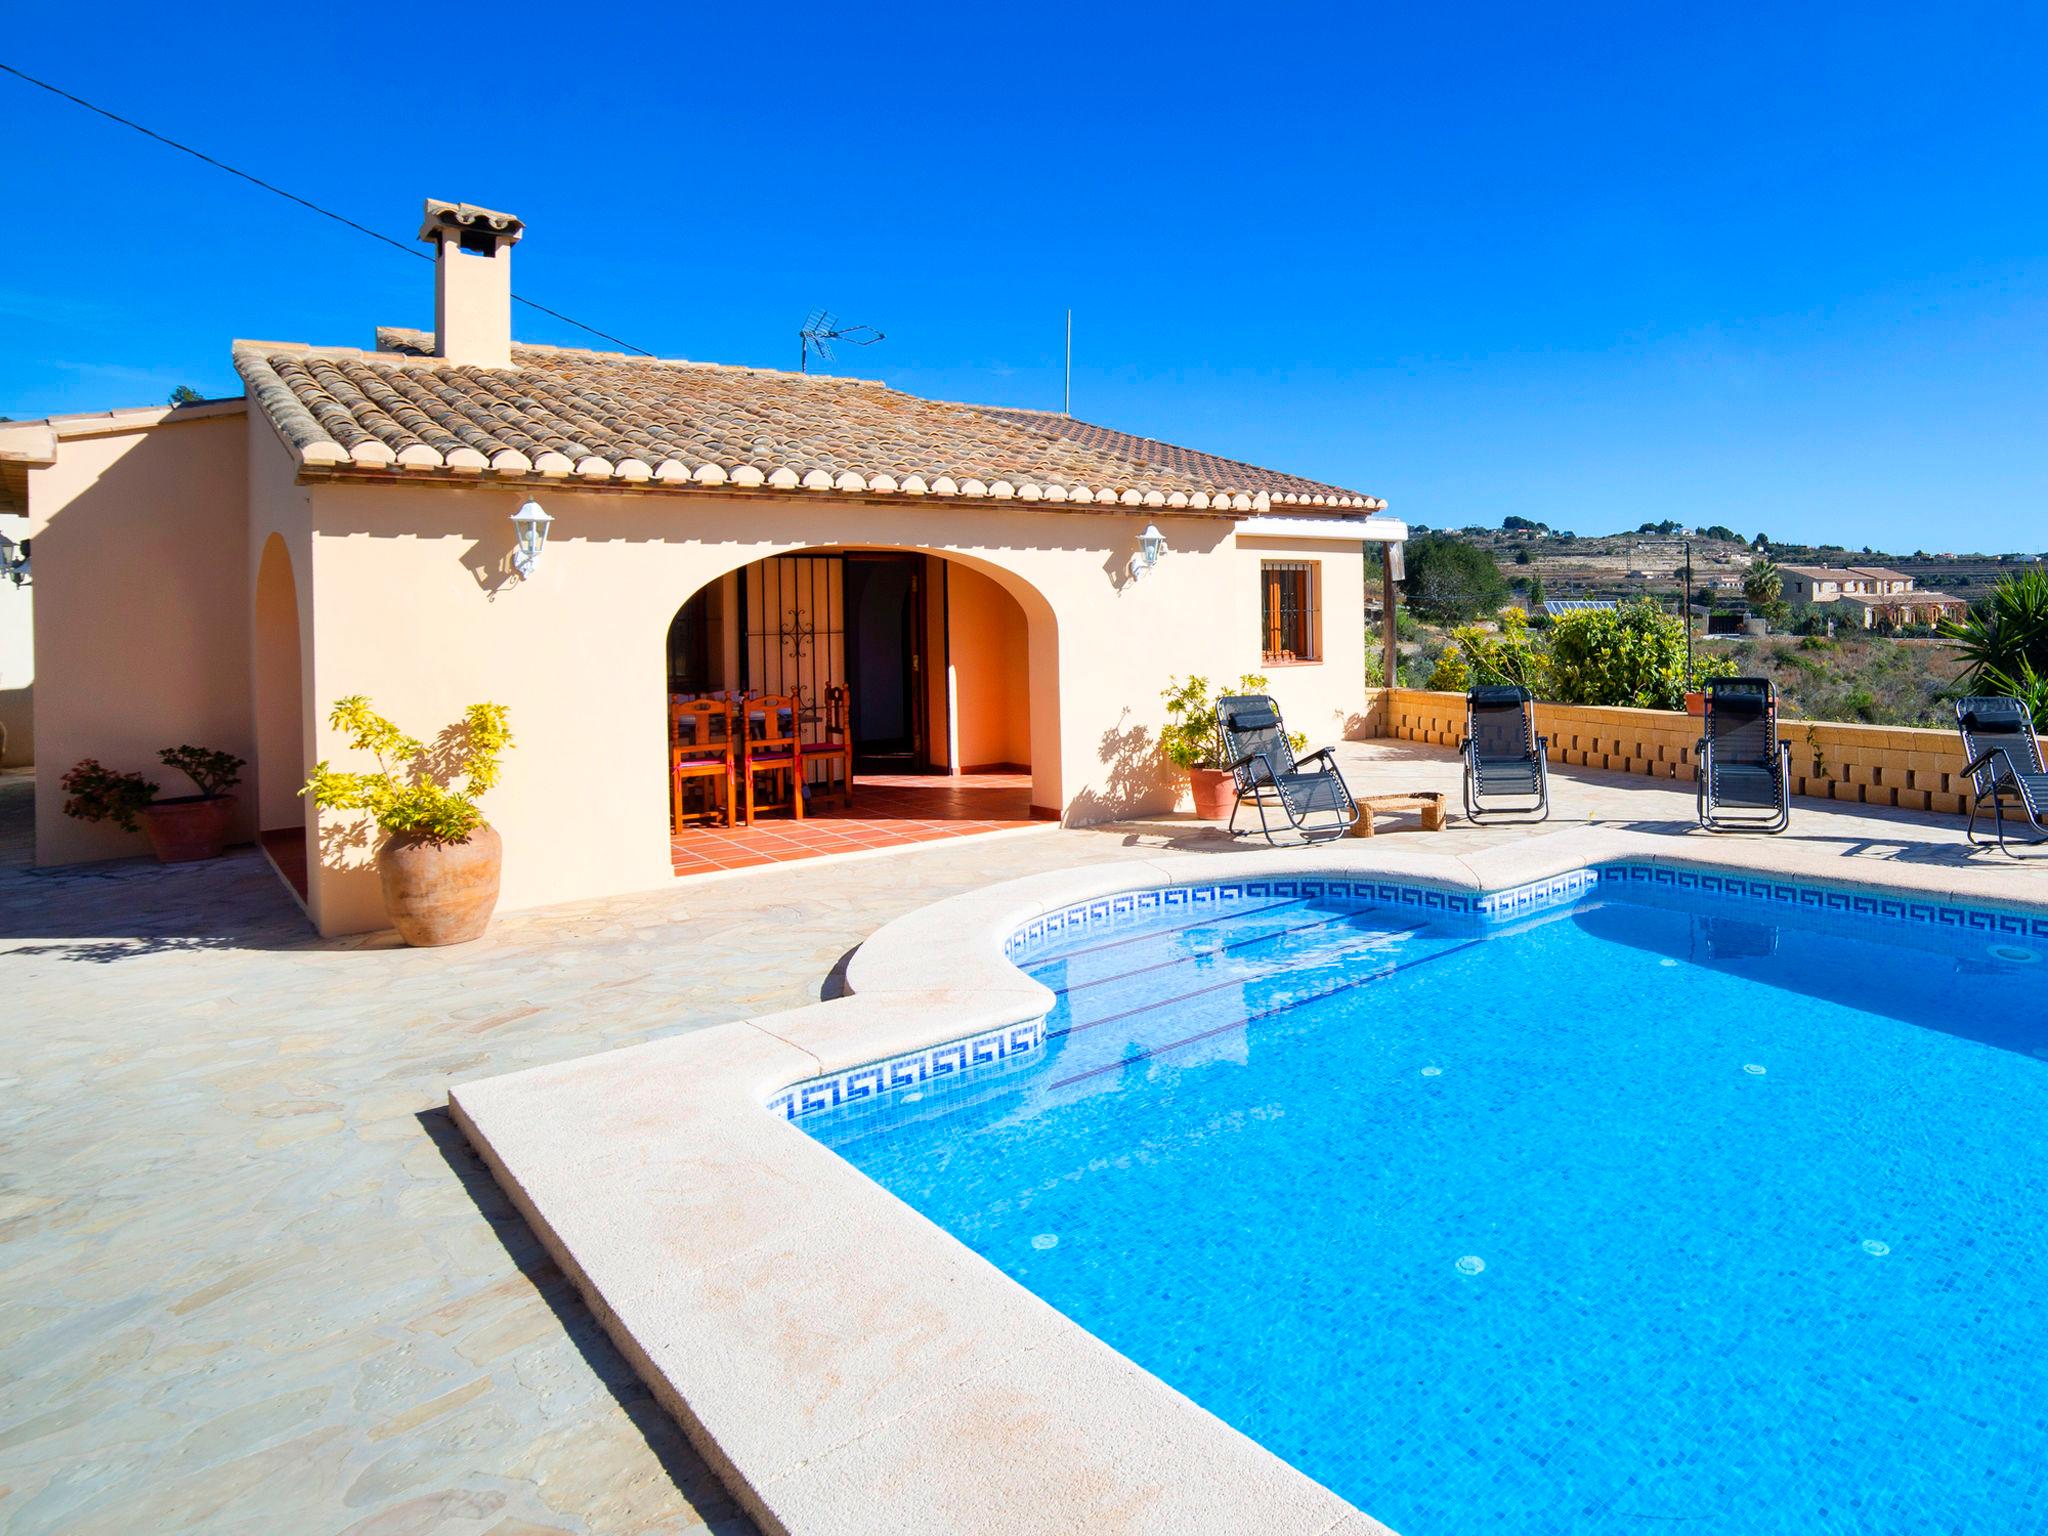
column 1762, row 584
column 2004, row 641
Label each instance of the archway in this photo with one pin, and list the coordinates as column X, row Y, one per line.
column 926, row 684
column 280, row 712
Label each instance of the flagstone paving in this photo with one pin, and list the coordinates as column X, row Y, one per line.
column 252, row 1281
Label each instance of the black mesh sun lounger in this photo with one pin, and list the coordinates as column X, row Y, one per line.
column 1507, row 771
column 1314, row 802
column 2005, row 765
column 1744, row 769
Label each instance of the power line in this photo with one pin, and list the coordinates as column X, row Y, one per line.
column 293, row 197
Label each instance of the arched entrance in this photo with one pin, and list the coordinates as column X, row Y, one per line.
column 932, row 673
column 279, row 707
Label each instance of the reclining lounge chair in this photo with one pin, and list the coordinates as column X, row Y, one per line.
column 1316, row 803
column 1743, row 767
column 2005, row 765
column 1504, row 757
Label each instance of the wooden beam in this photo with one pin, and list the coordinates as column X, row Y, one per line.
column 1389, row 641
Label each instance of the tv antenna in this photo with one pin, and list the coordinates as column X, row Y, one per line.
column 821, row 330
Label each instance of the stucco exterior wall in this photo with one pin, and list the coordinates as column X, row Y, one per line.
column 412, row 602
column 987, row 646
column 141, row 614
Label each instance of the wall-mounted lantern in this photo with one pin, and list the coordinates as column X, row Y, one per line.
column 14, row 560
column 1151, row 550
column 530, row 523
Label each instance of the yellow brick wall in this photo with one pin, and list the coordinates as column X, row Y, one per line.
column 1917, row 770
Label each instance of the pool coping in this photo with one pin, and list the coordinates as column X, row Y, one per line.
column 845, row 1365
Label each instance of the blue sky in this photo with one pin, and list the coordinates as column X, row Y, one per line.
column 1781, row 268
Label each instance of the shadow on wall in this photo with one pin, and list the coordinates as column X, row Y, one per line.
column 1136, row 779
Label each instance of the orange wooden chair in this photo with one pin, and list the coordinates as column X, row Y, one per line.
column 700, row 752
column 833, row 745
column 769, row 744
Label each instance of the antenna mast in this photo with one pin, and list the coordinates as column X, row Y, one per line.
column 821, row 330
column 1067, row 403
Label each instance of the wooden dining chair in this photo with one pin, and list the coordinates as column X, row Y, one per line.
column 770, row 744
column 700, row 752
column 832, row 745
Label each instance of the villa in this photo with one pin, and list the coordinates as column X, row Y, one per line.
column 1869, row 594
column 1001, row 594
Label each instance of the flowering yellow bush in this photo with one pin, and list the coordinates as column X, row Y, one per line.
column 413, row 789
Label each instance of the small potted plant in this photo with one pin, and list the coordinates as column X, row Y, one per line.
column 439, row 865
column 1190, row 740
column 181, row 829
column 187, row 827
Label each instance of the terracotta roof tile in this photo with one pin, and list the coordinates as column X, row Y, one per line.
column 560, row 413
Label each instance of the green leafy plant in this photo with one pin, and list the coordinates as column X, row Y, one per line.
column 415, row 788
column 2005, row 634
column 1632, row 654
column 212, row 772
column 1476, row 654
column 94, row 792
column 1189, row 738
column 2029, row 686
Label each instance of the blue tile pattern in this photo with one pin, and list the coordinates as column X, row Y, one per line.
column 955, row 1059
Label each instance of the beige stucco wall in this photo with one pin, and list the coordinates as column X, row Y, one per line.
column 141, row 614
column 987, row 646
column 412, row 602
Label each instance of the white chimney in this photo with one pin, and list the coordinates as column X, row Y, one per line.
column 472, row 282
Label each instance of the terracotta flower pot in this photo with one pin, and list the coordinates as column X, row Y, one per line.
column 188, row 827
column 1213, row 792
column 1695, row 703
column 440, row 893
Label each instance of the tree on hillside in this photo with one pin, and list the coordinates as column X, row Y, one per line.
column 1451, row 581
column 185, row 394
column 1719, row 531
column 1765, row 588
column 1523, row 524
column 1535, row 594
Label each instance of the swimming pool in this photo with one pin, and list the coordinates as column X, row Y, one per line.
column 1630, row 1200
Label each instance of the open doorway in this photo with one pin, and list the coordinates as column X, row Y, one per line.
column 912, row 678
column 283, row 816
column 885, row 663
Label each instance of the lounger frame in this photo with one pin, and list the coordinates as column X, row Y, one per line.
column 1716, row 816
column 1994, row 778
column 1509, row 808
column 1267, row 774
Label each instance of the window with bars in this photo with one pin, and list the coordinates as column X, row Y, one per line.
column 1290, row 622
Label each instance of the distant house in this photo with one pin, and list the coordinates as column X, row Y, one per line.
column 1874, row 593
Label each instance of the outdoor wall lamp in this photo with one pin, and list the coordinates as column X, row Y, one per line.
column 1151, row 549
column 530, row 523
column 14, row 560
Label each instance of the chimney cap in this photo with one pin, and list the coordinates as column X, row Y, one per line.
column 471, row 223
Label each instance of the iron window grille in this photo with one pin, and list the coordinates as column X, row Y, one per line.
column 1291, row 625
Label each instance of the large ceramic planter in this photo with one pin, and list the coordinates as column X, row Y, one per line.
column 440, row 893
column 1695, row 703
column 1213, row 793
column 188, row 827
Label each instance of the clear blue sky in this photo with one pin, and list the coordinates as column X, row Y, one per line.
column 1763, row 266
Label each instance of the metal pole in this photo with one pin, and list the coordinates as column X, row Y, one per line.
column 1067, row 400
column 1688, row 615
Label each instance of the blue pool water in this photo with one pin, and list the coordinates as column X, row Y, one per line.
column 1655, row 1212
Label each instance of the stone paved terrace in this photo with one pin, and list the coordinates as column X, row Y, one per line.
column 252, row 1281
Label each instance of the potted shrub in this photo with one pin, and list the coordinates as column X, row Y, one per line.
column 180, row 829
column 1190, row 740
column 439, row 862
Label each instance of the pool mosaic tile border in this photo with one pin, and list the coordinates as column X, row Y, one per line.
column 950, row 1060
column 914, row 1069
